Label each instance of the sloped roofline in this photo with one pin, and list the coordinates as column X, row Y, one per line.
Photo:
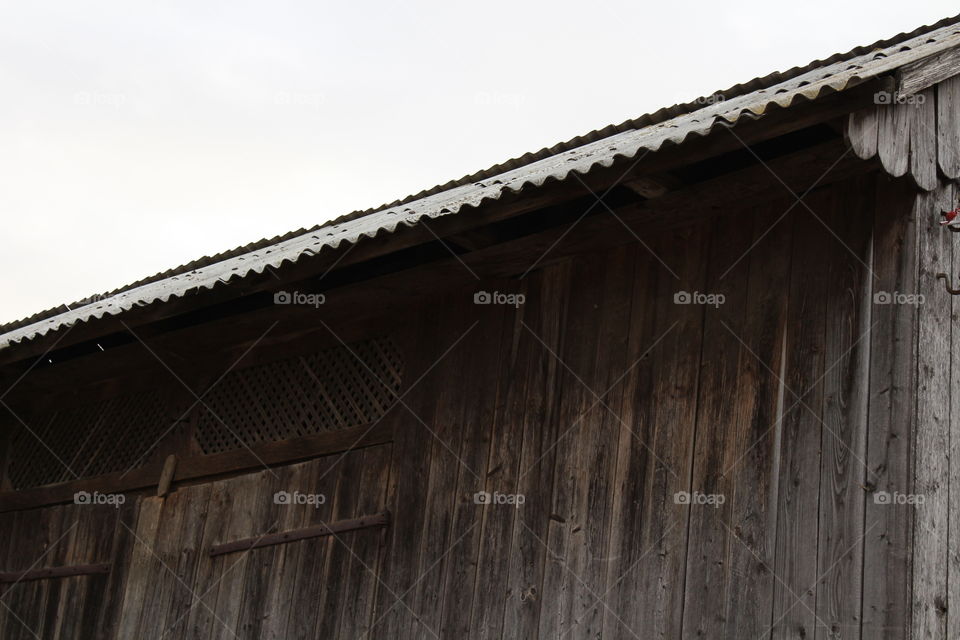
column 670, row 126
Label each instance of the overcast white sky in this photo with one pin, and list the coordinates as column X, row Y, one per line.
column 137, row 136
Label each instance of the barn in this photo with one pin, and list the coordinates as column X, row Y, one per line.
column 689, row 376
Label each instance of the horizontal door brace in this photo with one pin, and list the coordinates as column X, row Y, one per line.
column 381, row 519
column 55, row 572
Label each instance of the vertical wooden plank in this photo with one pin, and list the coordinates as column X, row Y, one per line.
column 844, row 429
column 282, row 574
column 579, row 417
column 460, row 572
column 500, row 473
column 340, row 546
column 953, row 458
column 595, row 444
column 948, row 127
column 79, row 597
column 893, row 138
column 932, row 437
column 37, row 542
column 923, row 140
column 16, row 596
column 751, row 460
column 438, row 496
column 8, row 532
column 323, row 477
column 88, row 597
column 544, row 312
column 861, row 132
column 799, row 472
column 245, row 522
column 120, row 556
column 423, row 343
column 710, row 544
column 267, row 515
column 888, row 528
column 362, row 572
column 194, row 619
column 161, row 581
column 141, row 561
column 649, row 528
column 636, row 455
column 182, row 553
column 57, row 555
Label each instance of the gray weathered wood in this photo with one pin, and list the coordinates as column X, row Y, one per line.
column 361, row 576
column 861, row 132
column 916, row 76
column 923, row 140
column 244, row 520
column 893, row 137
column 180, row 548
column 948, row 127
column 953, row 462
column 716, row 436
column 800, row 439
column 166, row 475
column 932, row 433
column 751, row 460
column 139, row 577
column 459, row 568
column 281, row 576
column 844, row 414
column 539, row 400
column 892, row 410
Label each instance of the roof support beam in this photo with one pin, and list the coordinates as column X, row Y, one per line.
column 915, row 77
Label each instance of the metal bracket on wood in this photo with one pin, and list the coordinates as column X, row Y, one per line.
column 55, row 572
column 950, row 290
column 381, row 519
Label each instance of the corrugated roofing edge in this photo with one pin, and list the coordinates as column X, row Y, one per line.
column 824, row 78
column 635, row 123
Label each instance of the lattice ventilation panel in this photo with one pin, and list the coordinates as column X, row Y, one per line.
column 336, row 388
column 108, row 436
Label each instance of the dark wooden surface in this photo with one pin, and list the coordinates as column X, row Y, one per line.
column 163, row 474
column 599, row 400
column 56, row 572
column 292, row 535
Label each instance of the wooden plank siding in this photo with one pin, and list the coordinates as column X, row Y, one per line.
column 668, row 464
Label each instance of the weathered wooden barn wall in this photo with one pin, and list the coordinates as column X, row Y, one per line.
column 600, row 400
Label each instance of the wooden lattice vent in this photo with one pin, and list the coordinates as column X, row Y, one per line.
column 340, row 387
column 112, row 435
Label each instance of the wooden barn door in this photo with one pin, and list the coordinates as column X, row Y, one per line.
column 315, row 587
column 56, row 571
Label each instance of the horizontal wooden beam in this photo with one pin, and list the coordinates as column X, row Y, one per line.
column 266, row 454
column 923, row 74
column 381, row 519
column 55, row 572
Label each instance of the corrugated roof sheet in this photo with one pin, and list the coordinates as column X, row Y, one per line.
column 600, row 148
